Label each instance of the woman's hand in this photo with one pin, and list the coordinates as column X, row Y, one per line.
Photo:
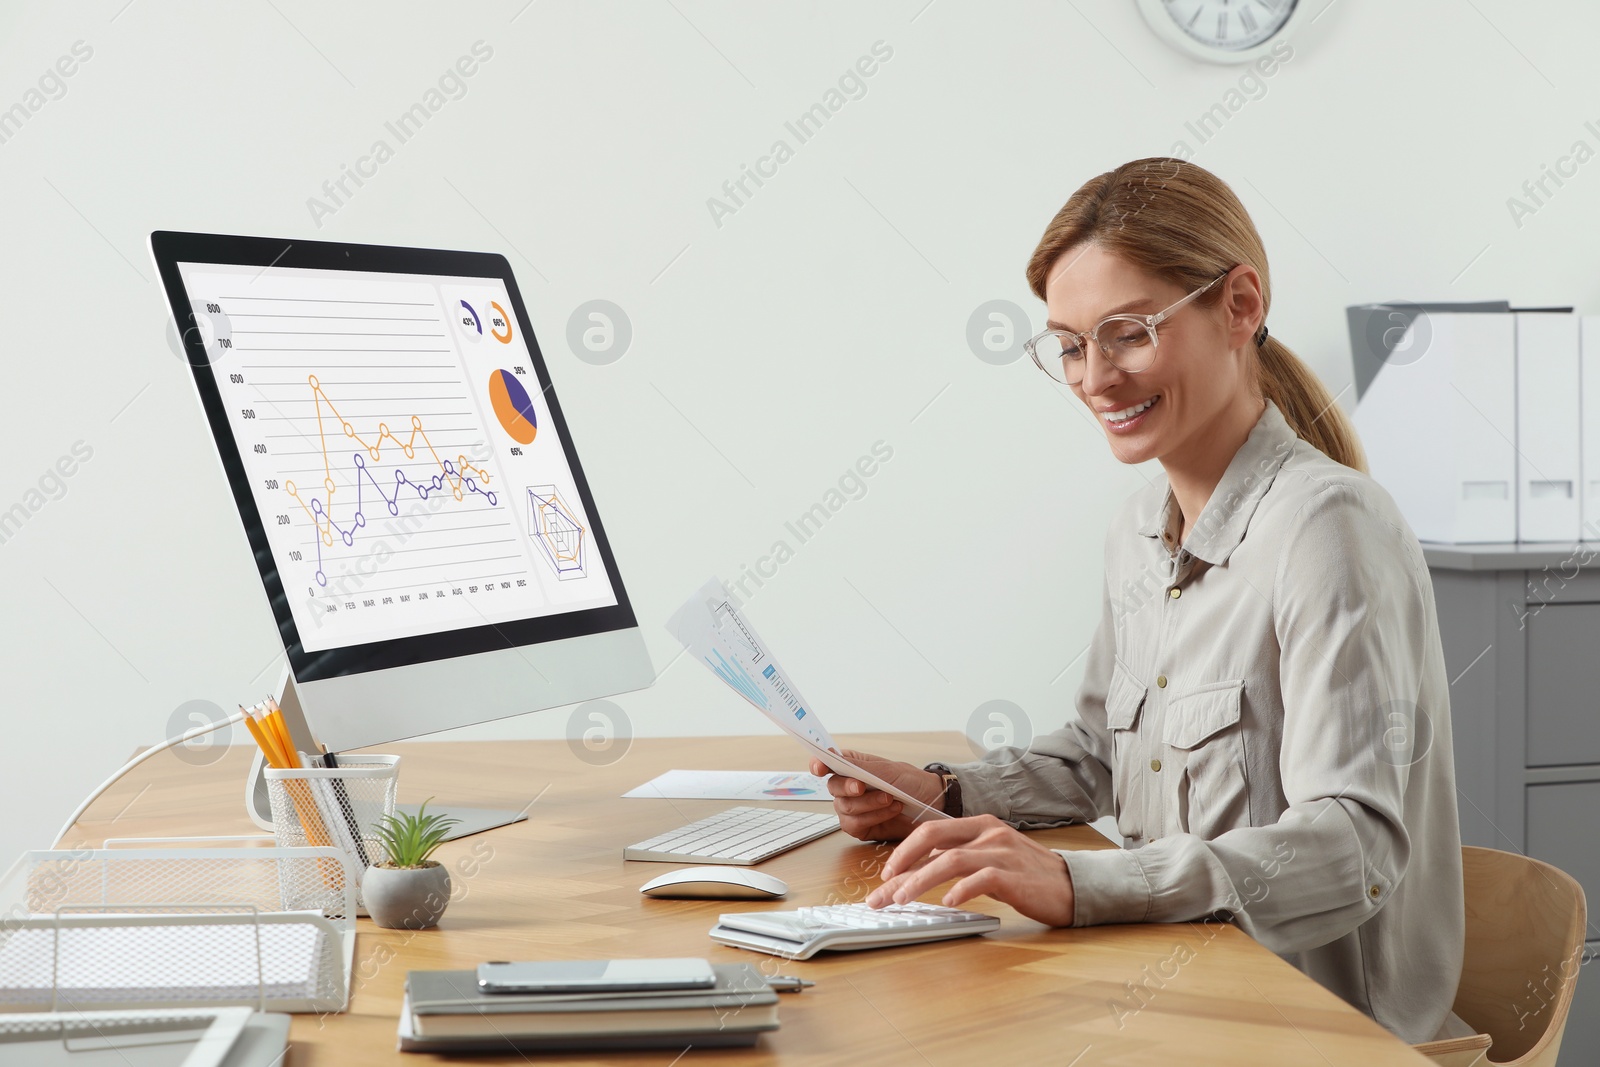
column 989, row 858
column 871, row 814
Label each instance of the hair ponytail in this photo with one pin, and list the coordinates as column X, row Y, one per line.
column 1307, row 406
column 1180, row 222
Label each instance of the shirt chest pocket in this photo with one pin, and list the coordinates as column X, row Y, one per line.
column 1124, row 700
column 1204, row 732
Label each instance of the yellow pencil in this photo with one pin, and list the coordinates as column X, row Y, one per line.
column 275, row 718
column 273, row 736
column 269, row 738
column 310, row 819
column 267, row 749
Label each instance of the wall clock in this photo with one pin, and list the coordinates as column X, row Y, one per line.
column 1223, row 31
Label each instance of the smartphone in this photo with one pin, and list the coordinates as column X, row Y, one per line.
column 594, row 976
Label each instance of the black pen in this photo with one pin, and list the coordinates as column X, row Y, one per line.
column 332, row 763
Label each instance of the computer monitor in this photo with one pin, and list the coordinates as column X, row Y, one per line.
column 423, row 529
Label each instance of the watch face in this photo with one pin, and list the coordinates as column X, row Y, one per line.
column 1232, row 25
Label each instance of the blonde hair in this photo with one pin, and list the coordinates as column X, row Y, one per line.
column 1183, row 224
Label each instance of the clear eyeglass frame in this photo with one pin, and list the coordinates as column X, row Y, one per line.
column 1063, row 355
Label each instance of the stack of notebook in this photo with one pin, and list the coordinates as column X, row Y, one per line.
column 445, row 1012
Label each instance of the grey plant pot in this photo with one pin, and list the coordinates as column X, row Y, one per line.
column 411, row 898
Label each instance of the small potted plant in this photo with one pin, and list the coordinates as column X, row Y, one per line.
column 408, row 890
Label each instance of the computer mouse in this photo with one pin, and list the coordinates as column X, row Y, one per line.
column 715, row 883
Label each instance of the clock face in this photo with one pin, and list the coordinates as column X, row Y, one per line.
column 1232, row 25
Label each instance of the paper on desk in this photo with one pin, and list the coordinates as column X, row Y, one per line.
column 712, row 628
column 733, row 785
column 231, row 959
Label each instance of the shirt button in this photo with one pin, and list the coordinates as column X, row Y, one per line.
column 1161, row 681
column 1175, row 592
column 1375, row 892
column 1155, row 765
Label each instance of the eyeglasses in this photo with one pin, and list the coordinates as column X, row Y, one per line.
column 1127, row 341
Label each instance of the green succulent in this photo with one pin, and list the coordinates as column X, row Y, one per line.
column 410, row 839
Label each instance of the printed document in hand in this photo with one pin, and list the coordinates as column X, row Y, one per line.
column 712, row 628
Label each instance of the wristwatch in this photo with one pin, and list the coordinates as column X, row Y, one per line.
column 952, row 788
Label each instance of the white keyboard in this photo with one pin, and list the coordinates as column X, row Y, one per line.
column 739, row 836
column 799, row 935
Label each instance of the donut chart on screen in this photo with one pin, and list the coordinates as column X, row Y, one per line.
column 512, row 407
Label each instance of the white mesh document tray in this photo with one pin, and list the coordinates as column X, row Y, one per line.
column 108, row 929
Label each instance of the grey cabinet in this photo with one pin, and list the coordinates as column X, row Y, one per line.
column 1583, row 1023
column 1521, row 631
column 1563, row 727
column 1561, row 830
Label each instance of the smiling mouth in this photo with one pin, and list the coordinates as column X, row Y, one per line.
column 1115, row 417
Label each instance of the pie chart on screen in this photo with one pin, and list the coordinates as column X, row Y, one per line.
column 512, row 407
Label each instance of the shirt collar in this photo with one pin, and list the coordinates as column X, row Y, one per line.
column 1227, row 513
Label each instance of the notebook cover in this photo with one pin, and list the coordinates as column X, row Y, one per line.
column 456, row 993
column 407, row 1040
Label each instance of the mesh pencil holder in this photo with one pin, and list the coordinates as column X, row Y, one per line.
column 338, row 807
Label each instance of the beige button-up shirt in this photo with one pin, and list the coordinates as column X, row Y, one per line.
column 1266, row 712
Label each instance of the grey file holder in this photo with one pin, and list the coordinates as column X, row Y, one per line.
column 1376, row 330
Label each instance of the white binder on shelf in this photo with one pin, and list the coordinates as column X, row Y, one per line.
column 1548, row 452
column 1589, row 430
column 1438, row 421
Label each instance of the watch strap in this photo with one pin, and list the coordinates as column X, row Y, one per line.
column 952, row 788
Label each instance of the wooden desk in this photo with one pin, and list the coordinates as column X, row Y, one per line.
column 557, row 887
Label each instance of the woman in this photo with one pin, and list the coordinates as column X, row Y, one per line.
column 1264, row 705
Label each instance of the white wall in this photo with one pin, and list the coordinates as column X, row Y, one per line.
column 769, row 352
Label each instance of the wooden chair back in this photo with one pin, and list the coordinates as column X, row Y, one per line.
column 1525, row 934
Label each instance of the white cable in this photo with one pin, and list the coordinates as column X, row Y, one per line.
column 183, row 738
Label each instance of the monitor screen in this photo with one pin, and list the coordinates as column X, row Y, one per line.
column 400, row 449
column 395, row 449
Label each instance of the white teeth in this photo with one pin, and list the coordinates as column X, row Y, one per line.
column 1128, row 413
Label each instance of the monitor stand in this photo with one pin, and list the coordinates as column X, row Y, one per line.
column 259, row 807
column 472, row 820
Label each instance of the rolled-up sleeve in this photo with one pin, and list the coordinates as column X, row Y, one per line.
column 1349, row 618
column 1063, row 776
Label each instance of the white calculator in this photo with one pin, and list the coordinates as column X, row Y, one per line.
column 801, row 934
